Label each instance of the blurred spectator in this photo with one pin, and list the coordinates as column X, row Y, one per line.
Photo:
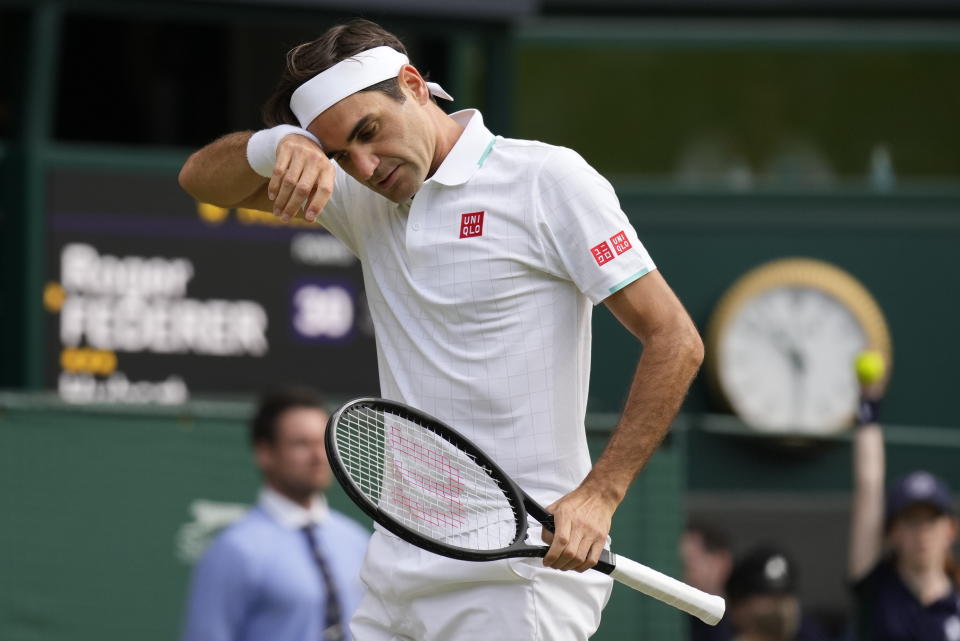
column 707, row 558
column 762, row 601
column 290, row 569
column 900, row 564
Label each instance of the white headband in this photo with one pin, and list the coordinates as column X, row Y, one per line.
column 347, row 77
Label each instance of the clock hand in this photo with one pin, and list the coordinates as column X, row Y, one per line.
column 796, row 359
column 781, row 340
column 797, row 367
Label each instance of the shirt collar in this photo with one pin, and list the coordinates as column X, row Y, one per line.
column 468, row 153
column 288, row 513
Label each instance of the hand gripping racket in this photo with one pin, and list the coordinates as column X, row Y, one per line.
column 430, row 486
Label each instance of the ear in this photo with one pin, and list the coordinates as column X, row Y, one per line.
column 413, row 83
column 263, row 455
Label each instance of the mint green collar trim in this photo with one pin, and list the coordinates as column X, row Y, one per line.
column 486, row 152
column 616, row 288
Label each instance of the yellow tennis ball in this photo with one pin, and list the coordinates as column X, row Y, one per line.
column 870, row 366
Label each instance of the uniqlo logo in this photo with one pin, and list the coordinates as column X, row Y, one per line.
column 620, row 242
column 471, row 224
column 602, row 254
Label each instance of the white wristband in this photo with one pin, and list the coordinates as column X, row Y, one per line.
column 262, row 147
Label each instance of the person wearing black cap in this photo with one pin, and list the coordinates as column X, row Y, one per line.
column 762, row 601
column 903, row 575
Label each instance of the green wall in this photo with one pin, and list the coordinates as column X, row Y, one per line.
column 635, row 97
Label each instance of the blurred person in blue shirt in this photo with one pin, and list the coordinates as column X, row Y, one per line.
column 903, row 574
column 289, row 570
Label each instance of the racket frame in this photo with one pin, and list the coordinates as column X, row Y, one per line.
column 518, row 499
column 708, row 608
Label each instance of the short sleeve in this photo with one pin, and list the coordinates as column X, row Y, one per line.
column 586, row 236
column 867, row 583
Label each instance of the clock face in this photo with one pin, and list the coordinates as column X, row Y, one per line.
column 785, row 360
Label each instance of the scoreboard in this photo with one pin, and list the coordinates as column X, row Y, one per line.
column 152, row 297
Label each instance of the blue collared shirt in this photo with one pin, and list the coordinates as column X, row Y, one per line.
column 258, row 581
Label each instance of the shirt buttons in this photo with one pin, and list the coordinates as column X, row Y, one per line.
column 416, row 226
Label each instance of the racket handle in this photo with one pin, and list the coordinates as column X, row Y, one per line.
column 708, row 608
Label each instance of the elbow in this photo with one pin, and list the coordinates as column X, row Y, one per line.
column 679, row 345
column 186, row 178
column 192, row 181
column 692, row 351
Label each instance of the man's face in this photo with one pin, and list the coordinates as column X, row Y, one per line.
column 296, row 462
column 766, row 617
column 388, row 146
column 703, row 569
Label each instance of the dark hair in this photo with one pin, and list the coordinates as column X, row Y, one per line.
column 263, row 426
column 310, row 58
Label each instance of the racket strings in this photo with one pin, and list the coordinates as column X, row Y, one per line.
column 424, row 481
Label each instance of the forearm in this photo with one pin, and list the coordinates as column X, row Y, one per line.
column 219, row 173
column 866, row 517
column 671, row 356
column 666, row 368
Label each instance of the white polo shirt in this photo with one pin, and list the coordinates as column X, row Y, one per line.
column 481, row 290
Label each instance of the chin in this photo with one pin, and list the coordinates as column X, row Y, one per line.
column 401, row 196
column 408, row 188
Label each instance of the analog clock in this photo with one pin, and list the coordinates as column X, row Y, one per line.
column 782, row 342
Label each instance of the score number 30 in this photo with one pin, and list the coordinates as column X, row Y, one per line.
column 323, row 312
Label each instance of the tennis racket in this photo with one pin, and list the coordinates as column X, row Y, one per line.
column 430, row 486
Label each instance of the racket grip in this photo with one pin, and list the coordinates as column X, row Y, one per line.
column 708, row 608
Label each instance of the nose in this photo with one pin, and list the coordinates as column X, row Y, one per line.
column 365, row 164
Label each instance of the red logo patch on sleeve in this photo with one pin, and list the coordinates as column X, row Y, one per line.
column 620, row 242
column 471, row 224
column 602, row 254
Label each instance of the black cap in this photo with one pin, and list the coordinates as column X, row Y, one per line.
column 918, row 488
column 763, row 570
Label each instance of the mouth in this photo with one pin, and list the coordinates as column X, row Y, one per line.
column 387, row 180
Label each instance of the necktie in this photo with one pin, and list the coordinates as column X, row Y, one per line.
column 333, row 626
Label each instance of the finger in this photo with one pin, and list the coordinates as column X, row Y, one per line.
column 288, row 183
column 302, row 191
column 321, row 193
column 561, row 537
column 279, row 169
column 569, row 558
column 593, row 556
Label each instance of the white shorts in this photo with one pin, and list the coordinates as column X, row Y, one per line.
column 415, row 595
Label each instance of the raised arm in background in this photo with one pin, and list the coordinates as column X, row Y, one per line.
column 869, row 473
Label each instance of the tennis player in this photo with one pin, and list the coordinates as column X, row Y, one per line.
column 482, row 259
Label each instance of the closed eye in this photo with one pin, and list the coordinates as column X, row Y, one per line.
column 364, row 131
column 367, row 134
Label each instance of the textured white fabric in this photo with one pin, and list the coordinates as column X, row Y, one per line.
column 262, row 147
column 484, row 321
column 414, row 594
column 347, row 77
